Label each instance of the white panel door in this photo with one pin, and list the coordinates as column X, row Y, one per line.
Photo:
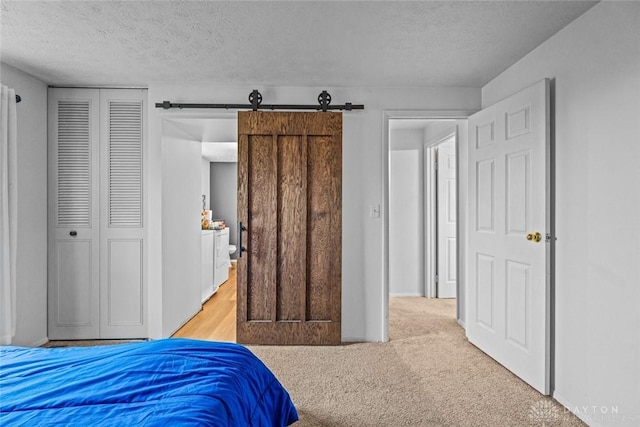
column 122, row 279
column 508, row 315
column 447, row 219
column 74, row 263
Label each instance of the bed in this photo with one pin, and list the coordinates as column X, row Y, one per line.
column 169, row 382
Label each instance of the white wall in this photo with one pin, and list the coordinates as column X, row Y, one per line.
column 594, row 64
column 406, row 249
column 362, row 265
column 31, row 294
column 181, row 235
column 224, row 196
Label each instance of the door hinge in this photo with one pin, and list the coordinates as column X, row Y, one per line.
column 435, row 165
column 435, row 279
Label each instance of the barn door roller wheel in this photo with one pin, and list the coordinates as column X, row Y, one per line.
column 255, row 98
column 324, row 99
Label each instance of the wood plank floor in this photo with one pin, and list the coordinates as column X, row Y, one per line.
column 217, row 320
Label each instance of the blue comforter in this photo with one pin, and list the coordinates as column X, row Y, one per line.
column 170, row 382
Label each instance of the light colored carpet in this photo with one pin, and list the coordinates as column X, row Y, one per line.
column 427, row 375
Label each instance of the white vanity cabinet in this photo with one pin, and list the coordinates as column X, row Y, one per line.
column 208, row 242
column 221, row 259
column 215, row 261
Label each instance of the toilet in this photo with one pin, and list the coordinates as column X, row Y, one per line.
column 232, row 250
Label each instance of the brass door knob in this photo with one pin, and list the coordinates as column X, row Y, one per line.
column 534, row 237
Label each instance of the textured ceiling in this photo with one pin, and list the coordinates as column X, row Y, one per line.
column 293, row 43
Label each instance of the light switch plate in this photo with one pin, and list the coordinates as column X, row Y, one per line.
column 374, row 211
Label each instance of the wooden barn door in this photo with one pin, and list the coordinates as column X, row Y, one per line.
column 290, row 210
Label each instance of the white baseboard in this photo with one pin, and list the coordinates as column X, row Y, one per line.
column 595, row 416
column 564, row 402
column 40, row 342
column 405, row 294
column 183, row 323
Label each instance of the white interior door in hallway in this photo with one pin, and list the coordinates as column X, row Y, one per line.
column 446, row 219
column 508, row 309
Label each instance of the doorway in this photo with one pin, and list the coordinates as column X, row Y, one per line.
column 304, row 165
column 423, row 207
column 191, row 144
column 423, row 131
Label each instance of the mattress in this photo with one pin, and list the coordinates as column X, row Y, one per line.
column 165, row 382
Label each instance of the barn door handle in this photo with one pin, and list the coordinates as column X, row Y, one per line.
column 241, row 248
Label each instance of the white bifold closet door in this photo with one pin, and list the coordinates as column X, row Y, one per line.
column 97, row 286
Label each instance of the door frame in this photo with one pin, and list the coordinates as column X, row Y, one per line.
column 431, row 201
column 430, row 220
column 388, row 115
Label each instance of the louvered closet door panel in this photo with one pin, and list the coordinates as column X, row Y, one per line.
column 123, row 283
column 74, row 163
column 73, row 283
column 125, row 163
